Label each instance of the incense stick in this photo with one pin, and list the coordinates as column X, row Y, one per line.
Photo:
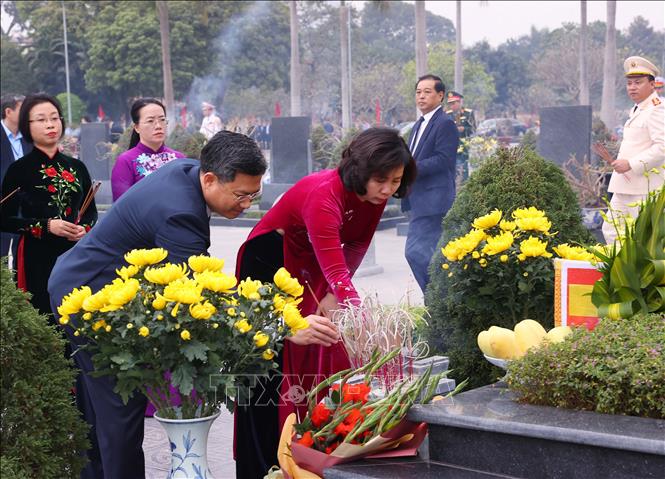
column 88, row 200
column 311, row 291
column 601, row 151
column 9, row 195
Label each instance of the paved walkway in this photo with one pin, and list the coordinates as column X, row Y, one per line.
column 393, row 285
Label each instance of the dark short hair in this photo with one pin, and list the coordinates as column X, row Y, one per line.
column 376, row 152
column 10, row 101
column 135, row 112
column 438, row 82
column 28, row 104
column 228, row 153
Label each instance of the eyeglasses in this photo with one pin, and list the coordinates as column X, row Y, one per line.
column 44, row 121
column 251, row 197
column 153, row 122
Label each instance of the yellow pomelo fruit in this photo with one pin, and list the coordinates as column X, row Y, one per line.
column 503, row 344
column 484, row 343
column 558, row 334
column 529, row 334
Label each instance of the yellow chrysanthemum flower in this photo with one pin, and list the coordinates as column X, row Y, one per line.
column 578, row 253
column 184, row 334
column 216, row 281
column 64, row 319
column 87, row 316
column 488, row 221
column 166, row 274
column 121, row 294
column 506, row 225
column 203, row 263
column 250, row 288
column 243, row 326
column 534, row 224
column 202, row 310
column 287, row 283
column 533, row 247
column 458, row 248
column 73, row 302
column 278, row 302
column 530, row 212
column 475, row 255
column 482, row 262
column 499, row 243
column 503, row 258
column 268, row 354
column 231, row 311
column 127, row 272
column 96, row 301
column 129, row 326
column 159, row 302
column 144, row 331
column 293, row 318
column 183, row 290
column 97, row 325
column 445, row 266
column 145, row 257
column 261, row 339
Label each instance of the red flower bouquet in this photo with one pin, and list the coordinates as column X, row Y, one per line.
column 355, row 422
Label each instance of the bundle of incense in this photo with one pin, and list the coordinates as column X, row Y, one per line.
column 88, row 199
column 601, row 151
column 9, row 195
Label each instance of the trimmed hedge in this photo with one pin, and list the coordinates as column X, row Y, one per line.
column 42, row 434
column 510, row 179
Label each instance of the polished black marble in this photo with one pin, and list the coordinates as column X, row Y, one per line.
column 404, row 469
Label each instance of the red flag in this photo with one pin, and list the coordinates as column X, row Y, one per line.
column 183, row 116
column 378, row 112
column 100, row 113
column 278, row 109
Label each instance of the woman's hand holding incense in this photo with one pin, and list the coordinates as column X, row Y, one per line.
column 65, row 229
column 321, row 331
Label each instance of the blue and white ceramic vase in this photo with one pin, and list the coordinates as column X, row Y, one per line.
column 188, row 439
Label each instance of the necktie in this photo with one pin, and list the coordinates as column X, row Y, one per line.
column 416, row 129
column 634, row 110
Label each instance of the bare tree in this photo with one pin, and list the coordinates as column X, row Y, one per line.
column 163, row 15
column 609, row 67
column 295, row 60
column 584, row 71
column 459, row 61
column 346, row 74
column 421, row 39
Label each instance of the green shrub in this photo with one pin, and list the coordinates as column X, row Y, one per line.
column 42, row 434
column 618, row 368
column 510, row 179
column 189, row 144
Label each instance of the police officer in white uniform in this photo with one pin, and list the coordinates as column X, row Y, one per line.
column 638, row 168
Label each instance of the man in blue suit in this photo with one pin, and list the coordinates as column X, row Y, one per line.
column 169, row 209
column 12, row 147
column 433, row 143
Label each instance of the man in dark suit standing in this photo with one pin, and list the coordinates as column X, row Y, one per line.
column 433, row 144
column 169, row 209
column 13, row 147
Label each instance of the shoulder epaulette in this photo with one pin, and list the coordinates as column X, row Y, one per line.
column 449, row 112
column 468, row 109
column 656, row 101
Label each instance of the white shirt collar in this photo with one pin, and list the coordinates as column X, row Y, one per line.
column 9, row 133
column 428, row 116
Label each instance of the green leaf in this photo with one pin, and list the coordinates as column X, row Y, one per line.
column 195, row 350
column 124, row 359
column 182, row 377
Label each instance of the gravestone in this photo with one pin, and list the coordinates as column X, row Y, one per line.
column 565, row 131
column 94, row 153
column 290, row 156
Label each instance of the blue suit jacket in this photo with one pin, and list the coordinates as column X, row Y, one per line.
column 164, row 210
column 6, row 153
column 433, row 192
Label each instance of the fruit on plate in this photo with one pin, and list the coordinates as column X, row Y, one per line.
column 503, row 344
column 558, row 334
column 529, row 334
column 484, row 343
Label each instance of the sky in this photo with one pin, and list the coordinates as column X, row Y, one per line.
column 498, row 21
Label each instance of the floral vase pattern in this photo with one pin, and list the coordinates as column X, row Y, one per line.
column 188, row 439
